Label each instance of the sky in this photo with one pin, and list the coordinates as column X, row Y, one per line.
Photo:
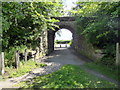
column 66, row 34
column 68, row 4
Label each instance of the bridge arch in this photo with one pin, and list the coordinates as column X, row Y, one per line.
column 79, row 42
column 67, row 23
column 71, row 29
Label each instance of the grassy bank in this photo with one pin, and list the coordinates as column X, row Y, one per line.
column 111, row 73
column 24, row 68
column 69, row 76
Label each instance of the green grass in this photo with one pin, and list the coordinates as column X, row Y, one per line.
column 24, row 68
column 104, row 70
column 69, row 76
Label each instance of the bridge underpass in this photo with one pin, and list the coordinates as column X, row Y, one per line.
column 67, row 23
column 79, row 43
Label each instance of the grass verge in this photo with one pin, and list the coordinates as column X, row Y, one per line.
column 69, row 76
column 24, row 68
column 104, row 70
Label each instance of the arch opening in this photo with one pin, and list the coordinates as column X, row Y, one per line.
column 51, row 35
column 63, row 38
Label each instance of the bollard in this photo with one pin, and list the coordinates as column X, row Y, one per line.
column 17, row 61
column 66, row 46
column 117, row 54
column 34, row 57
column 60, row 45
column 25, row 54
column 35, row 54
column 2, row 63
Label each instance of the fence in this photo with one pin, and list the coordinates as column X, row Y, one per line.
column 17, row 60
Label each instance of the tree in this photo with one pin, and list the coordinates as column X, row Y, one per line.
column 24, row 22
column 101, row 31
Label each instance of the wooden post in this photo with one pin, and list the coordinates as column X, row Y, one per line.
column 60, row 45
column 66, row 46
column 2, row 63
column 34, row 56
column 17, row 62
column 117, row 54
column 25, row 55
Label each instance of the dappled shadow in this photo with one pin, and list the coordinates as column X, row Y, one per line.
column 64, row 56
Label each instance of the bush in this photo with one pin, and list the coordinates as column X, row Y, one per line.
column 70, row 43
column 109, row 55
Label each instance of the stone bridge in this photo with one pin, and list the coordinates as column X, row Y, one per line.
column 65, row 22
column 79, row 42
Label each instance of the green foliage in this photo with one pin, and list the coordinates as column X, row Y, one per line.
column 69, row 76
column 109, row 55
column 70, row 43
column 97, row 22
column 104, row 70
column 24, row 22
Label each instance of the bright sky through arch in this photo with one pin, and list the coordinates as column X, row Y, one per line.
column 64, row 35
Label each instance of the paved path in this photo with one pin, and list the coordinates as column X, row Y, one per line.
column 64, row 56
column 54, row 61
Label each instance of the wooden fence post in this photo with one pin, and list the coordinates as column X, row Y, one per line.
column 25, row 55
column 117, row 54
column 2, row 63
column 17, row 61
column 66, row 45
column 60, row 45
column 35, row 54
column 34, row 57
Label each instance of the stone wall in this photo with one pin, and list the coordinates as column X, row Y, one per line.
column 42, row 50
column 86, row 49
